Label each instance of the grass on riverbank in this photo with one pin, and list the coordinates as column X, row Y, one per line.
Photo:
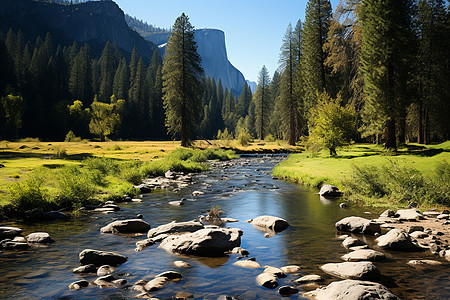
column 372, row 176
column 30, row 179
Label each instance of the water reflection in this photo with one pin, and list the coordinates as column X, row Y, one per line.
column 243, row 191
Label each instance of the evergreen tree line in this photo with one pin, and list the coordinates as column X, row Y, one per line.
column 386, row 62
column 47, row 91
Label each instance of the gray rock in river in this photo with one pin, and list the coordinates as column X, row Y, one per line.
column 171, row 275
column 398, row 240
column 141, row 245
column 126, row 226
column 156, row 284
column 86, row 269
column 175, row 227
column 267, row 280
column 78, row 284
column 352, row 289
column 363, row 254
column 9, row 244
column 9, row 232
column 39, row 237
column 269, row 222
column 328, row 190
column 105, row 270
column 363, row 270
column 286, row 291
column 351, row 242
column 204, row 242
column 358, row 225
column 99, row 258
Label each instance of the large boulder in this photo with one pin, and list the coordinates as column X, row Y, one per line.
column 362, row 270
column 175, row 227
column 126, row 226
column 39, row 237
column 204, row 242
column 409, row 214
column 398, row 240
column 363, row 254
column 9, row 232
column 352, row 289
column 358, row 225
column 269, row 222
column 328, row 190
column 100, row 258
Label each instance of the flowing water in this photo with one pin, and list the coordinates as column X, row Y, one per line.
column 243, row 190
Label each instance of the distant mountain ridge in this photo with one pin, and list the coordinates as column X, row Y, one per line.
column 93, row 22
column 213, row 51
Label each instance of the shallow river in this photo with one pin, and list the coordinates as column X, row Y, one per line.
column 243, row 190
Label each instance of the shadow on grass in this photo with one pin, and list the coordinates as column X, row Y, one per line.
column 18, row 155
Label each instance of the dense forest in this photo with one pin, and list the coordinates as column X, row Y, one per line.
column 374, row 71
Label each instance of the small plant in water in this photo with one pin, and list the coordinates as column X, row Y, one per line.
column 214, row 214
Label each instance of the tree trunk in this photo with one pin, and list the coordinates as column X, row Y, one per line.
column 420, row 139
column 391, row 142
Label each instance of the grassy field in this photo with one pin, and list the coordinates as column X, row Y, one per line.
column 314, row 169
column 129, row 161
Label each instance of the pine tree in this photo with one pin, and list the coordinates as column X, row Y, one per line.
column 315, row 30
column 120, row 83
column 289, row 101
column 262, row 103
column 107, row 68
column 243, row 101
column 386, row 32
column 182, row 81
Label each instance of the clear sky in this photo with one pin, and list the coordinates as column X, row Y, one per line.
column 254, row 29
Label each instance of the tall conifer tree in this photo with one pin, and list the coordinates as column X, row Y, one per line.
column 182, row 81
column 262, row 103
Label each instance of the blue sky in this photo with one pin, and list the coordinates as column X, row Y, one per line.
column 254, row 29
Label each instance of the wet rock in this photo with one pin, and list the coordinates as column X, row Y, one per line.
column 9, row 244
column 9, row 232
column 353, row 270
column 38, row 214
column 275, row 271
column 119, row 282
column 104, row 281
column 352, row 289
column 170, row 275
column 418, row 235
column 39, row 237
column 144, row 188
column 197, row 193
column 156, row 284
column 111, row 206
column 177, row 203
column 328, row 190
column 342, row 237
column 358, row 225
column 424, row 262
column 77, row 285
column 104, row 210
column 20, row 239
column 126, row 226
column 181, row 264
column 175, row 227
column 204, row 242
column 287, row 291
column 272, row 223
column 354, row 248
column 170, row 175
column 309, row 278
column 398, row 240
column 290, row 269
column 105, row 270
column 241, row 251
column 247, row 263
column 183, row 296
column 411, row 214
column 387, row 213
column 86, row 269
column 229, row 220
column 415, row 228
column 431, row 214
column 267, row 280
column 365, row 254
column 141, row 245
column 99, row 258
column 351, row 242
column 443, row 217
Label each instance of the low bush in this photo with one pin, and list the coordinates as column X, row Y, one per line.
column 75, row 187
column 29, row 194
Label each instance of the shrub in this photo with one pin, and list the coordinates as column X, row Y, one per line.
column 29, row 194
column 104, row 165
column 74, row 186
column 60, row 152
column 244, row 137
column 71, row 137
column 269, row 138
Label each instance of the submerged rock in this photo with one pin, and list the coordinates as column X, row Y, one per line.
column 204, row 242
column 358, row 225
column 126, row 226
column 352, row 289
column 99, row 258
column 272, row 223
column 353, row 270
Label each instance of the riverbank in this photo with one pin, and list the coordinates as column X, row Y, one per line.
column 370, row 176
